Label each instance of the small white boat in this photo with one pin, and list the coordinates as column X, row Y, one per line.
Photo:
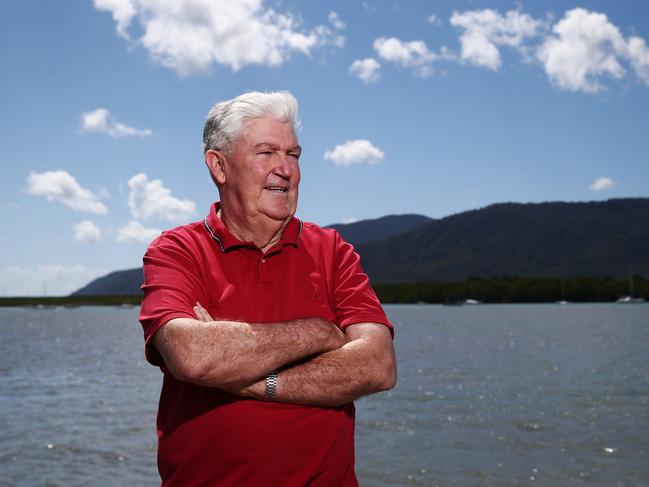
column 629, row 300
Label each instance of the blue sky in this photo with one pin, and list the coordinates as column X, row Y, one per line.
column 406, row 107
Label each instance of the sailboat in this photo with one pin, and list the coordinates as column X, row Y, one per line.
column 630, row 299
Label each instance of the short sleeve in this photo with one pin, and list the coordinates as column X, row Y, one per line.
column 355, row 300
column 171, row 288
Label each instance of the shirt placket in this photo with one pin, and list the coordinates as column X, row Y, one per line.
column 265, row 271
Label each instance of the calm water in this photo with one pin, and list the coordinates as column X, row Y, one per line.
column 545, row 395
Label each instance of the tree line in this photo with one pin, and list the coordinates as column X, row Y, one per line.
column 515, row 290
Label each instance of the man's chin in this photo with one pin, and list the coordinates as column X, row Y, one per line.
column 280, row 217
column 279, row 214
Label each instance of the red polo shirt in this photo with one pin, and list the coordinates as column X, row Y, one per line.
column 209, row 437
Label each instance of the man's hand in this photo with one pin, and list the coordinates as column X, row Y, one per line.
column 201, row 313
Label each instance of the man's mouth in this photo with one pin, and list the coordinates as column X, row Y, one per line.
column 276, row 189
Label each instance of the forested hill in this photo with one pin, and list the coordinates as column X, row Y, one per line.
column 592, row 239
column 366, row 231
column 118, row 283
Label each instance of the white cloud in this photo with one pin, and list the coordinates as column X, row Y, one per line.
column 601, row 183
column 188, row 36
column 123, row 12
column 101, row 121
column 354, row 152
column 62, row 187
column 367, row 70
column 52, row 280
column 136, row 232
column 87, row 232
column 413, row 55
column 150, row 199
column 581, row 49
column 335, row 20
column 349, row 219
column 368, row 7
column 638, row 53
column 329, row 36
column 584, row 47
column 485, row 30
column 434, row 20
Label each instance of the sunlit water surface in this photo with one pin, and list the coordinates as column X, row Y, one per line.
column 521, row 395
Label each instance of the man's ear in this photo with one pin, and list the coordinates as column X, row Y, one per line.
column 215, row 162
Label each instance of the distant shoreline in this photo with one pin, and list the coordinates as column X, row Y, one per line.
column 495, row 290
column 509, row 289
column 70, row 301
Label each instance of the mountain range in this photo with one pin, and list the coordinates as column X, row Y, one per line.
column 554, row 239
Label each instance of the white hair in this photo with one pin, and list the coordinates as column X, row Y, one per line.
column 225, row 120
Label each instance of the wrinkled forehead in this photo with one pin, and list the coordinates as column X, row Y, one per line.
column 267, row 129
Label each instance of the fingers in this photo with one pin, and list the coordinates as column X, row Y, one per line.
column 201, row 313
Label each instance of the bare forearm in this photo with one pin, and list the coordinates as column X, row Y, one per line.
column 333, row 378
column 363, row 366
column 227, row 353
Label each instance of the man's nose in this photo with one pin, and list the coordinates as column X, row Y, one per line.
column 283, row 167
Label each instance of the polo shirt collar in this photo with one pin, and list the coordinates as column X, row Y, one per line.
column 227, row 241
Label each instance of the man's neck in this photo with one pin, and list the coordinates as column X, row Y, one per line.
column 266, row 234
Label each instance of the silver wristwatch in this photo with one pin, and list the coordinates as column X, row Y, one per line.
column 271, row 386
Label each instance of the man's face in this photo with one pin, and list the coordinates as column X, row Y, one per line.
column 261, row 173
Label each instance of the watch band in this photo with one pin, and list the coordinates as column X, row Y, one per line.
column 271, row 386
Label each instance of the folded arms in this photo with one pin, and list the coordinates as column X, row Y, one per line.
column 318, row 364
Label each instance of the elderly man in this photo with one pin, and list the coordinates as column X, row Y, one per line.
column 265, row 327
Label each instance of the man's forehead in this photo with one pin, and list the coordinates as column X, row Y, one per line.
column 269, row 130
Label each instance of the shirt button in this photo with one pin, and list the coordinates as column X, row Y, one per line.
column 263, row 261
